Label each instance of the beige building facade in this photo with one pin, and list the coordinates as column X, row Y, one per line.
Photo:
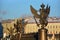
column 53, row 27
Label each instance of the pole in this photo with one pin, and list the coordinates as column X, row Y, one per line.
column 42, row 34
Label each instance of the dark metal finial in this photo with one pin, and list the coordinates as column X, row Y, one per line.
column 42, row 6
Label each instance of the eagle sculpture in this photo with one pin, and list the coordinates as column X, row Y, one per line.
column 44, row 12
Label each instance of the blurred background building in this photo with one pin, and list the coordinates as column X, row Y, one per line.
column 53, row 27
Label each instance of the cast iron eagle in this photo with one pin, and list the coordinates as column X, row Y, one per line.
column 44, row 12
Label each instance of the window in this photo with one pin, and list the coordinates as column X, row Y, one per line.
column 56, row 26
column 48, row 26
column 56, row 32
column 53, row 26
column 59, row 26
column 50, row 32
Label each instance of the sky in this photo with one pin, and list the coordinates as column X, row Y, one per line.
column 10, row 9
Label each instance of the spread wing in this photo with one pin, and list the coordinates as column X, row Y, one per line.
column 34, row 12
column 48, row 9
